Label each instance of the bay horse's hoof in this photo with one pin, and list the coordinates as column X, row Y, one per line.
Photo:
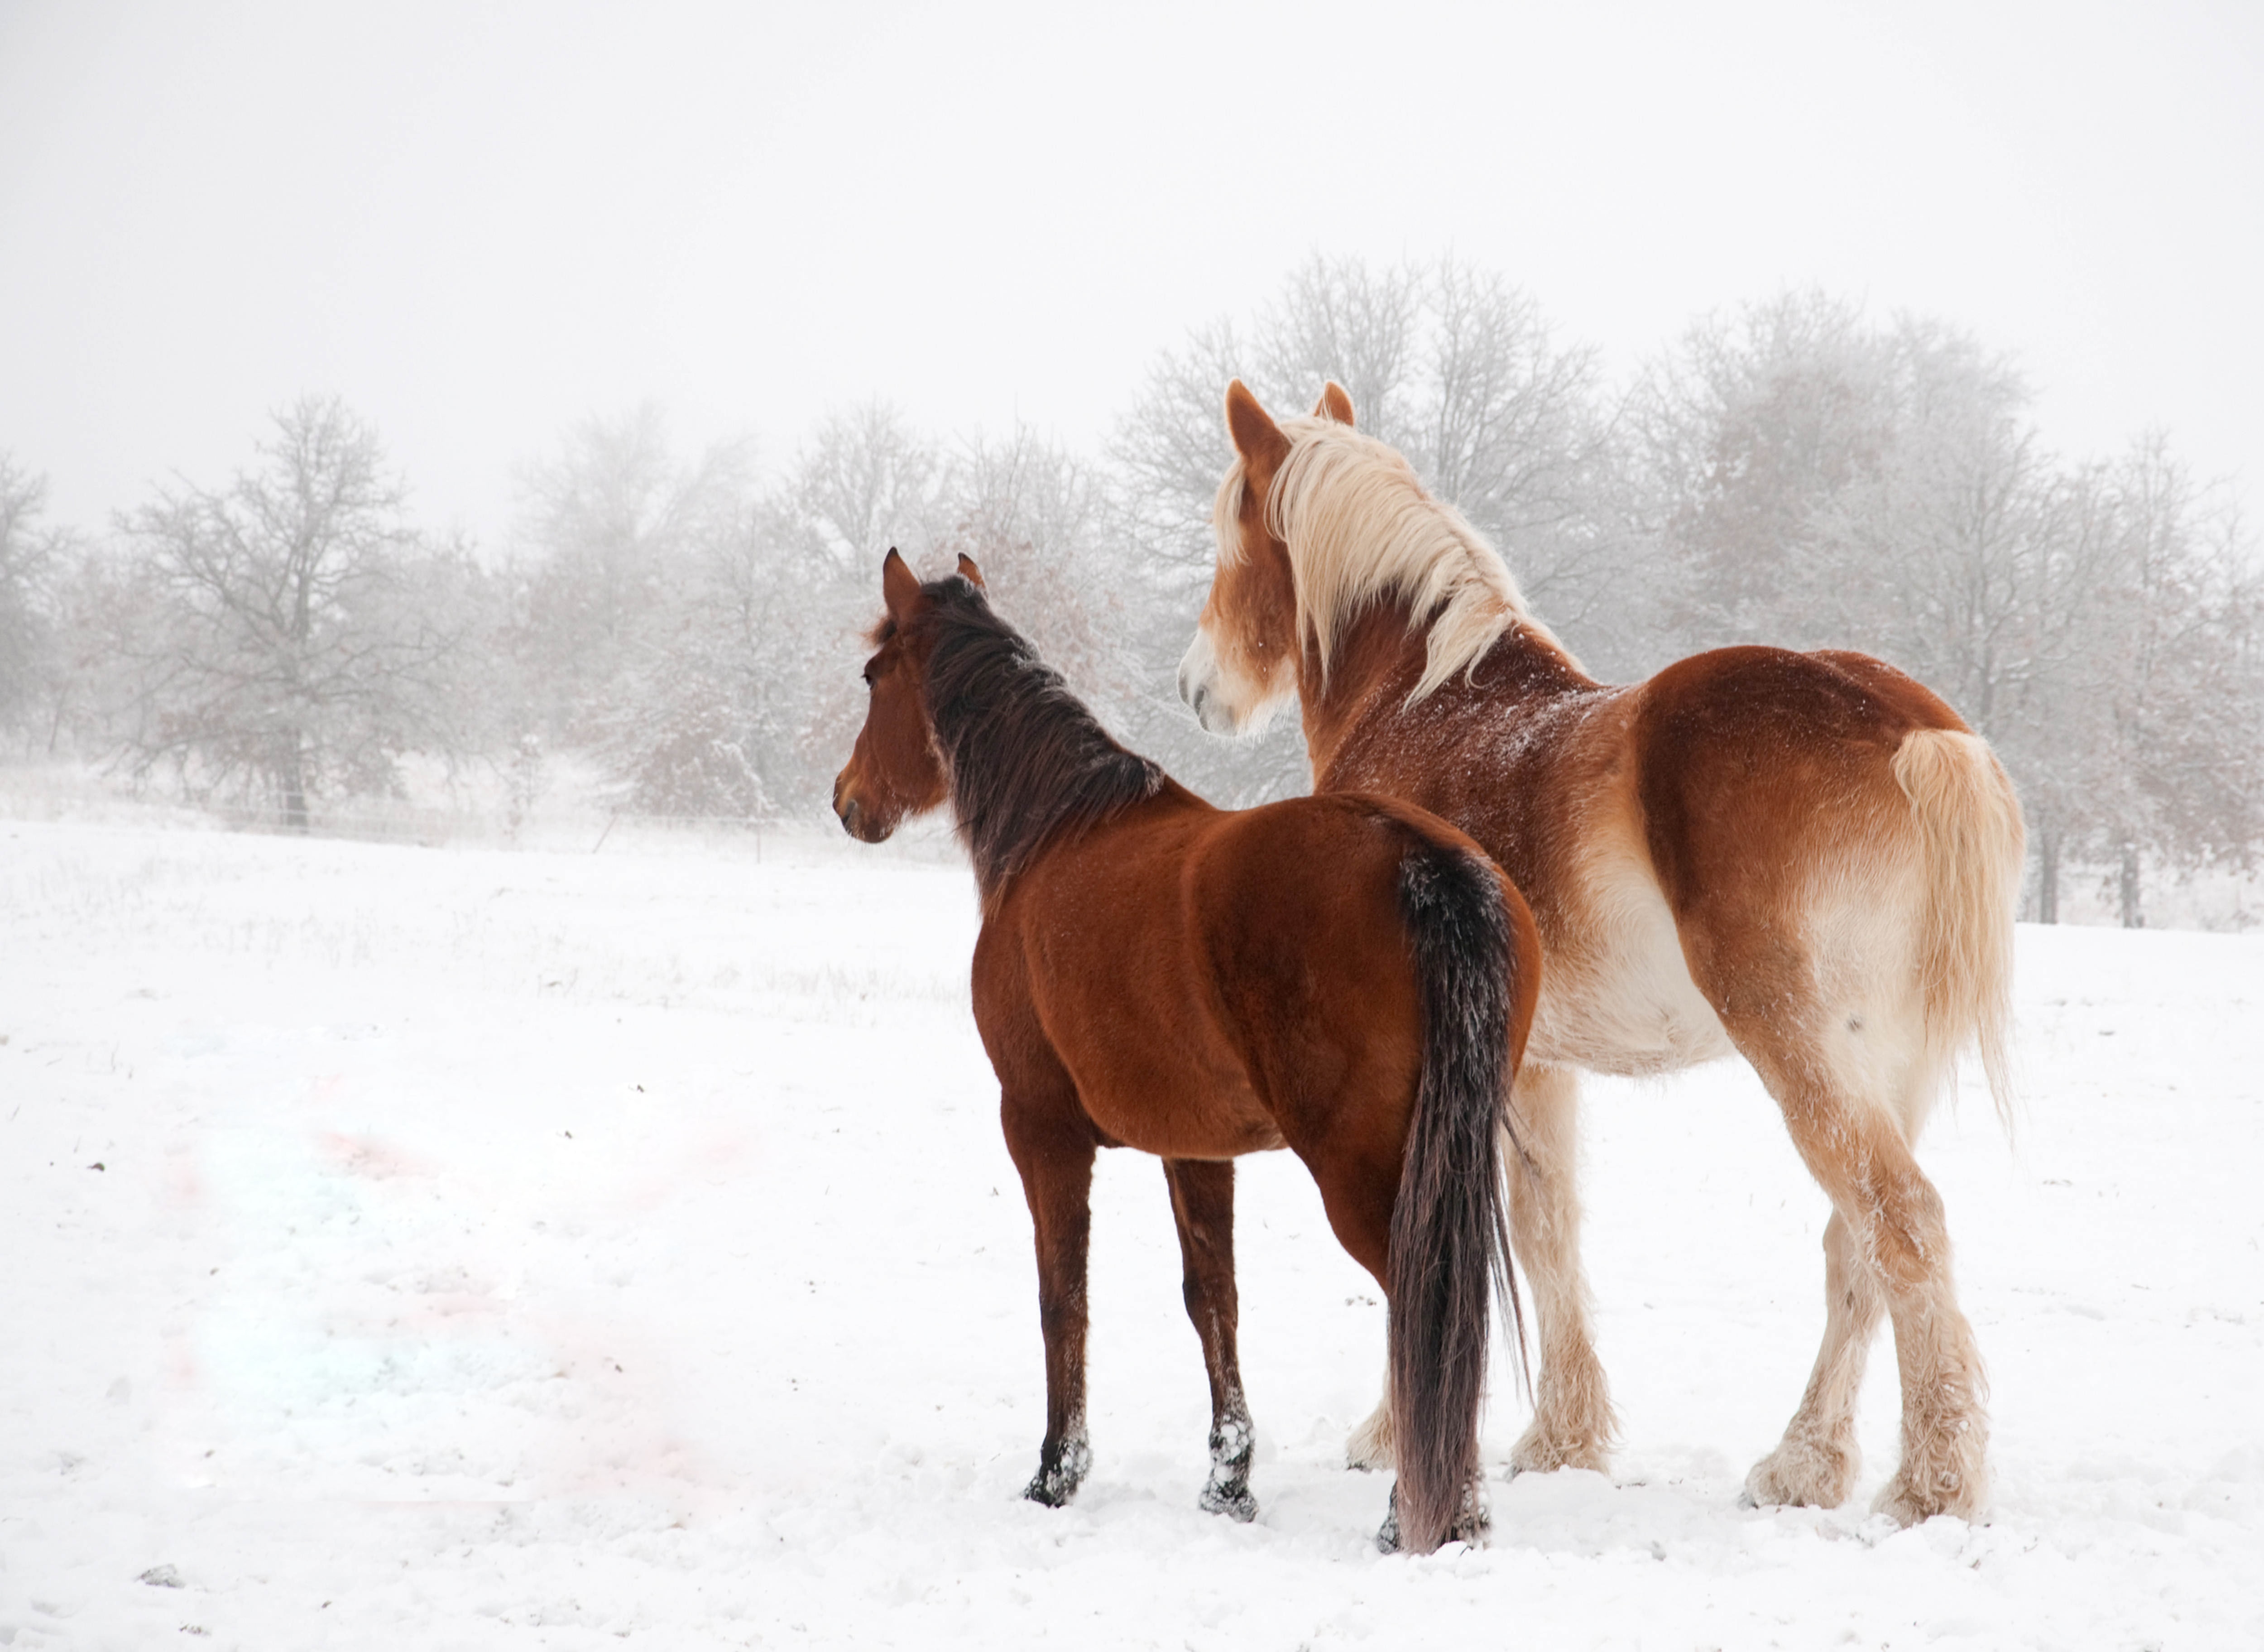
column 1234, row 1501
column 1470, row 1525
column 1232, row 1444
column 1060, row 1473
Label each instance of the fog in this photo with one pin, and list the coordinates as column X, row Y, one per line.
column 477, row 225
column 619, row 346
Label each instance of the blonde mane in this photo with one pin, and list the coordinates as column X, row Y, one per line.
column 1360, row 527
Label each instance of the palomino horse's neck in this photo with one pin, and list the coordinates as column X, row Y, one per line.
column 1380, row 657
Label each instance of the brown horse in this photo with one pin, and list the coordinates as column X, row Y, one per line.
column 1805, row 857
column 1346, row 977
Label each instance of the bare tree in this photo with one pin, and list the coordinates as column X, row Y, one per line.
column 867, row 482
column 1458, row 368
column 29, row 559
column 300, row 634
column 1813, row 480
column 603, row 527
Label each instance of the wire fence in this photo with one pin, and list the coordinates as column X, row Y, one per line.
column 585, row 832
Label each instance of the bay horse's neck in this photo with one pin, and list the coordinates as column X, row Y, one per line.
column 1376, row 662
column 1027, row 759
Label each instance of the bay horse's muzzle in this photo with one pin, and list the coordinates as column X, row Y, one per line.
column 857, row 820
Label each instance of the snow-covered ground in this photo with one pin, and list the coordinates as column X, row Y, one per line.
column 415, row 1249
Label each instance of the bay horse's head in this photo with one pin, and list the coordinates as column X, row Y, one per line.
column 895, row 770
column 1242, row 662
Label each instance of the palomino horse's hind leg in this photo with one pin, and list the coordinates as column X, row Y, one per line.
column 1817, row 1459
column 1202, row 1203
column 1892, row 1230
column 1572, row 1423
column 1054, row 1150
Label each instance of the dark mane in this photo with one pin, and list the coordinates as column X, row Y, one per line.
column 1028, row 760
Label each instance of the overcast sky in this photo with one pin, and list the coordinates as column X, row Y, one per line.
column 480, row 223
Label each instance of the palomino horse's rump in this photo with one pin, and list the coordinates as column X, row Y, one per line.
column 1807, row 856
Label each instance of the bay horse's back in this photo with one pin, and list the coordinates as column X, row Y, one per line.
column 1837, row 846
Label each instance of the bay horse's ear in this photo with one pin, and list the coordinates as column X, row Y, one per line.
column 1255, row 435
column 969, row 571
column 1334, row 404
column 899, row 586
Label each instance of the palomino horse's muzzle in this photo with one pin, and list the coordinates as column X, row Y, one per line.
column 1199, row 685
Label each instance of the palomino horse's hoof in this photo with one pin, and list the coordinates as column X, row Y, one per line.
column 1907, row 1504
column 1804, row 1472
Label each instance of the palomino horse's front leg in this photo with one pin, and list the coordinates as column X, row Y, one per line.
column 1055, row 1159
column 1573, row 1425
column 1202, row 1203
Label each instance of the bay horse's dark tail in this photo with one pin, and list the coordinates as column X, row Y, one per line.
column 1450, row 1227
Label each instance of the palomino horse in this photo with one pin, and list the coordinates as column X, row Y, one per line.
column 1807, row 857
column 1344, row 976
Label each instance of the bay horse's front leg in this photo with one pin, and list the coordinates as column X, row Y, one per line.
column 1055, row 1154
column 1202, row 1204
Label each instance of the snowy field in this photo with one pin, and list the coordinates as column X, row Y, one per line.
column 433, row 1248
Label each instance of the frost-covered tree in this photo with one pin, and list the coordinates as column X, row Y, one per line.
column 30, row 554
column 291, row 635
column 1458, row 368
column 1813, row 480
column 607, row 525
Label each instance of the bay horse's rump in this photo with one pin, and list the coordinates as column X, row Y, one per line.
column 1343, row 975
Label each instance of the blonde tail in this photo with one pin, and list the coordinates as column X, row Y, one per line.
column 1975, row 849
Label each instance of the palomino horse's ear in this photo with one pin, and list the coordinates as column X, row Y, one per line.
column 899, row 586
column 1334, row 404
column 1256, row 436
column 969, row 571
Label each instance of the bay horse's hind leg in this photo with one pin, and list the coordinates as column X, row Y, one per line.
column 1202, row 1203
column 1358, row 1190
column 1053, row 1145
column 1573, row 1425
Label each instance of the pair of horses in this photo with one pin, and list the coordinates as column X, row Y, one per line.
column 1805, row 858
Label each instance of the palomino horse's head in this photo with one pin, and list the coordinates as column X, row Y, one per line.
column 1242, row 662
column 895, row 770
column 1317, row 522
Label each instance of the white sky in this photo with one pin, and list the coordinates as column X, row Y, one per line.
column 480, row 223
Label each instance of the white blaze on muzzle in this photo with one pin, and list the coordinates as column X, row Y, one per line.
column 1222, row 703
